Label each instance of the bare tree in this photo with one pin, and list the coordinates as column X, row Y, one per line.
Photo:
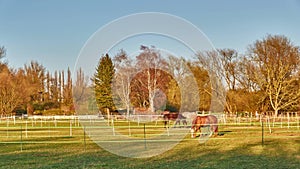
column 211, row 61
column 2, row 52
column 35, row 74
column 203, row 86
column 48, row 86
column 276, row 70
column 125, row 71
column 229, row 61
column 3, row 65
column 178, row 70
column 80, row 93
column 245, row 78
column 187, row 86
column 151, row 64
column 63, row 87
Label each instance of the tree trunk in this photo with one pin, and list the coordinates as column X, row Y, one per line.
column 128, row 110
column 151, row 104
column 276, row 113
column 108, row 115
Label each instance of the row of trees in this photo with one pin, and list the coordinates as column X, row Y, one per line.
column 33, row 89
column 265, row 78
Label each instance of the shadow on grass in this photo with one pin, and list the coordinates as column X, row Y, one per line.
column 222, row 133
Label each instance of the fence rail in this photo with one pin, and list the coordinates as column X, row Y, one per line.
column 71, row 129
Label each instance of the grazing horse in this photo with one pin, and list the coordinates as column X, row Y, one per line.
column 210, row 121
column 177, row 117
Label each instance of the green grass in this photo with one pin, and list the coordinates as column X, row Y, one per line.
column 239, row 146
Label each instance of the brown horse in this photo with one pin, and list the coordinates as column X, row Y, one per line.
column 210, row 121
column 177, row 117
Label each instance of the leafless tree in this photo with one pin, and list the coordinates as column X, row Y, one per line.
column 229, row 60
column 211, row 61
column 275, row 62
column 150, row 63
column 80, row 88
column 2, row 52
column 125, row 71
column 35, row 74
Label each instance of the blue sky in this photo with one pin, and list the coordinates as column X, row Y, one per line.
column 53, row 32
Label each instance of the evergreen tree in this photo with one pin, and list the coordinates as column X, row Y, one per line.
column 103, row 79
column 68, row 95
column 48, row 86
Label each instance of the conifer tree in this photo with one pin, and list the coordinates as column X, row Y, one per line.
column 68, row 95
column 103, row 79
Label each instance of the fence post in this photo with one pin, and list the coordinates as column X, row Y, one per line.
column 21, row 138
column 77, row 121
column 260, row 119
column 297, row 118
column 145, row 140
column 262, row 132
column 7, row 125
column 235, row 119
column 55, row 122
column 70, row 127
column 269, row 124
column 113, row 126
column 274, row 117
column 84, row 139
column 49, row 129
column 288, row 117
column 129, row 129
column 251, row 119
column 281, row 120
column 26, row 130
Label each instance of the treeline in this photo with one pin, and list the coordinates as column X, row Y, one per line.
column 34, row 90
column 265, row 78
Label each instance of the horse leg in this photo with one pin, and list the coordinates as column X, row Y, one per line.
column 177, row 122
column 215, row 130
column 197, row 129
column 184, row 123
column 194, row 134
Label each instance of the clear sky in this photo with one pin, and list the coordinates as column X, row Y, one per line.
column 53, row 32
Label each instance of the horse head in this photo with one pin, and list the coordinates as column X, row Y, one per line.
column 194, row 129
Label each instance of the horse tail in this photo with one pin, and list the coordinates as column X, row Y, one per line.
column 214, row 123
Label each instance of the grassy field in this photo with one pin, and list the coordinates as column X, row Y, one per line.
column 44, row 145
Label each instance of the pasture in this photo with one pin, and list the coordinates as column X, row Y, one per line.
column 64, row 144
